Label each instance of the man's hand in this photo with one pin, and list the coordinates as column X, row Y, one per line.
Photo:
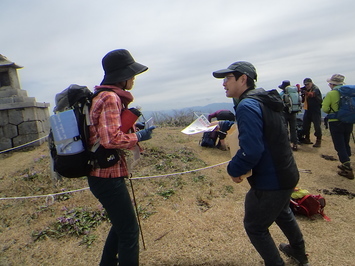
column 310, row 94
column 225, row 125
column 237, row 179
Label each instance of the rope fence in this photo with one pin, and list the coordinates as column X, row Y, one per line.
column 132, row 178
column 23, row 145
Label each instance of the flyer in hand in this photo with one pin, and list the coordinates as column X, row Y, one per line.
column 201, row 124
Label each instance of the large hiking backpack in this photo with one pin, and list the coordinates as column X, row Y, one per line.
column 346, row 112
column 69, row 132
column 292, row 99
column 69, row 135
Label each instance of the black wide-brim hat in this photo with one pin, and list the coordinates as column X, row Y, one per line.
column 285, row 84
column 119, row 65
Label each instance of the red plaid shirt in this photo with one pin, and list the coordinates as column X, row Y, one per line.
column 105, row 116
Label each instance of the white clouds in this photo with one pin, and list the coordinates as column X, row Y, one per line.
column 182, row 42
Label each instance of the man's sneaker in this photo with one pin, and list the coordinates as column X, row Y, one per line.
column 298, row 256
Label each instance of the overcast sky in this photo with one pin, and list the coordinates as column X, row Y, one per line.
column 182, row 42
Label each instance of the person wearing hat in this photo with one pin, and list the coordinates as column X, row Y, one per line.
column 266, row 152
column 108, row 184
column 312, row 104
column 290, row 116
column 339, row 130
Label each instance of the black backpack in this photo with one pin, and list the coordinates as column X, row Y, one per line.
column 69, row 135
column 69, row 132
column 209, row 139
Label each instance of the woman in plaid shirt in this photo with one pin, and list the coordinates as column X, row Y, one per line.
column 108, row 184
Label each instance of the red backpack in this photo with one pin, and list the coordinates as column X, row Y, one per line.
column 309, row 205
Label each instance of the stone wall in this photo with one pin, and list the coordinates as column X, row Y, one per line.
column 22, row 119
column 22, row 124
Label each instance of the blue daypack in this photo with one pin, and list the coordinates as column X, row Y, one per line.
column 346, row 112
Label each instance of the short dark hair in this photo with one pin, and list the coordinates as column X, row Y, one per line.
column 307, row 80
column 250, row 81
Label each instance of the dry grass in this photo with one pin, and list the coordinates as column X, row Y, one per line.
column 189, row 219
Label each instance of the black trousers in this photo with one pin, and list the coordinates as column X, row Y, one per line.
column 122, row 243
column 262, row 209
column 315, row 118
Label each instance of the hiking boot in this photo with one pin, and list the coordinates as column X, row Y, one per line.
column 318, row 143
column 307, row 141
column 345, row 167
column 294, row 147
column 298, row 256
column 349, row 174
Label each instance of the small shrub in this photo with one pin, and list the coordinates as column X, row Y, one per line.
column 199, row 178
column 166, row 194
column 88, row 240
column 203, row 204
column 229, row 189
column 75, row 222
column 144, row 212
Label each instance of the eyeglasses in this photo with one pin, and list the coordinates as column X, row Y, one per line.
column 227, row 77
column 306, row 84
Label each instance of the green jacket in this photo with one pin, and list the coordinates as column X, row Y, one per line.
column 331, row 102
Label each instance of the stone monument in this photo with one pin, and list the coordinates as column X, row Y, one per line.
column 22, row 119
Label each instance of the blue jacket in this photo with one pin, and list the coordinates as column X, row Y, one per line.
column 263, row 141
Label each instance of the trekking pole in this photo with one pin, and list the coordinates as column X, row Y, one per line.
column 135, row 205
column 352, row 134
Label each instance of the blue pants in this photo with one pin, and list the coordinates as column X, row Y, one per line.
column 341, row 137
column 122, row 243
column 262, row 209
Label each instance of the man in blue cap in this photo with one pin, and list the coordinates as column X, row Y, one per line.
column 265, row 151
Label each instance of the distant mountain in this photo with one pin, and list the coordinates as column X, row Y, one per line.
column 210, row 108
column 207, row 109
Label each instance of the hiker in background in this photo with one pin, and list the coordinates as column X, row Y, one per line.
column 312, row 99
column 265, row 150
column 292, row 102
column 222, row 115
column 339, row 130
column 108, row 184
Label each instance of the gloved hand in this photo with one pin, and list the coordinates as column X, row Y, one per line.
column 140, row 125
column 224, row 126
column 145, row 134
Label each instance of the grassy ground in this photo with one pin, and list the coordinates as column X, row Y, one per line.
column 189, row 219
